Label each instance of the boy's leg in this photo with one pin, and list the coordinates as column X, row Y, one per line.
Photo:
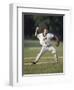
column 53, row 51
column 39, row 55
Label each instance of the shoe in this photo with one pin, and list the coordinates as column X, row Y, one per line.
column 56, row 59
column 33, row 62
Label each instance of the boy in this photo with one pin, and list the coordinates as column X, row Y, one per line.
column 45, row 40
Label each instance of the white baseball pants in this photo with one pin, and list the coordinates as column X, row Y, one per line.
column 45, row 49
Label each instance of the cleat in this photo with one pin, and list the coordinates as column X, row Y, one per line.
column 56, row 59
column 33, row 62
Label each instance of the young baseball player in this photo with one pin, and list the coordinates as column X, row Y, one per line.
column 45, row 41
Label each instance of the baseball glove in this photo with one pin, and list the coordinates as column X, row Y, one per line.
column 57, row 43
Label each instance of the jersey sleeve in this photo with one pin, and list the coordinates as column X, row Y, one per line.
column 50, row 35
column 38, row 36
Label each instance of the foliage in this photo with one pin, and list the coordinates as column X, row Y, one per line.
column 53, row 22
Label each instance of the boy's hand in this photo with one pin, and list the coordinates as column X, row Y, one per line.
column 36, row 31
column 37, row 28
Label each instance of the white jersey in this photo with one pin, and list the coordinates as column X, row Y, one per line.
column 45, row 40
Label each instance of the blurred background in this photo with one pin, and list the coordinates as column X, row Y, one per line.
column 53, row 22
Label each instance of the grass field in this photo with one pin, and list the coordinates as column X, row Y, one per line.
column 46, row 63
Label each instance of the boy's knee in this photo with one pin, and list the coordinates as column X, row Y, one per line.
column 54, row 51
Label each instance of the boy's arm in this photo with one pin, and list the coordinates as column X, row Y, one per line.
column 57, row 40
column 36, row 31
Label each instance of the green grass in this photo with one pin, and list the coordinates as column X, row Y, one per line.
column 44, row 68
column 31, row 49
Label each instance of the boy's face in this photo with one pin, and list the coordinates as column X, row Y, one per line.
column 45, row 32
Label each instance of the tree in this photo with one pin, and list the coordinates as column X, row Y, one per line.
column 53, row 22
